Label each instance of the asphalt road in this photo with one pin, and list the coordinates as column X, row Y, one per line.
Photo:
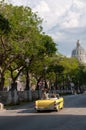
column 71, row 117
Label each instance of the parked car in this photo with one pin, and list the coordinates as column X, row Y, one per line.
column 53, row 103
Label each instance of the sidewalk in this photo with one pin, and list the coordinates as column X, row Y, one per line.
column 19, row 106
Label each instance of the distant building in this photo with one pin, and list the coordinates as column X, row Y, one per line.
column 79, row 53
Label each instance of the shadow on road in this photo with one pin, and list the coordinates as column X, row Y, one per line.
column 43, row 122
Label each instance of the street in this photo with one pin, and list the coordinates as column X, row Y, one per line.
column 71, row 117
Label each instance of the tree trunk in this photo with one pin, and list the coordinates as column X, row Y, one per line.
column 56, row 84
column 2, row 83
column 39, row 83
column 27, row 81
column 13, row 86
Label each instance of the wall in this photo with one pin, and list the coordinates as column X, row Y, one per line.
column 15, row 97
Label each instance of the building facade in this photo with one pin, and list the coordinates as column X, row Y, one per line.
column 79, row 53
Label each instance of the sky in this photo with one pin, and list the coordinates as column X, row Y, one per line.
column 64, row 20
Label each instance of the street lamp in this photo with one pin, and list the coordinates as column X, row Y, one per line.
column 27, row 73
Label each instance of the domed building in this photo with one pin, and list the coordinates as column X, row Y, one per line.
column 79, row 53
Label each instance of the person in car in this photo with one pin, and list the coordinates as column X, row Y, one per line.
column 45, row 95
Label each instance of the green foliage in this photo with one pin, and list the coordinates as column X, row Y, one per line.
column 49, row 46
column 80, row 74
column 70, row 64
column 21, row 38
column 4, row 25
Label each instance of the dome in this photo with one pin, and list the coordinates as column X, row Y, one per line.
column 79, row 53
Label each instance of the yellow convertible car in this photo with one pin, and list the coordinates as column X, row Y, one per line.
column 49, row 104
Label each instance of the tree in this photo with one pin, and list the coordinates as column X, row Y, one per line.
column 25, row 34
column 56, row 69
column 42, row 61
column 48, row 45
column 23, row 39
column 4, row 48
